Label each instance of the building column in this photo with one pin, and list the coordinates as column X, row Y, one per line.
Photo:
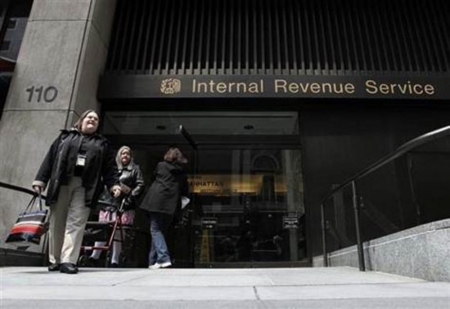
column 62, row 55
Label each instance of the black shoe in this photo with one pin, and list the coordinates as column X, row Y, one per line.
column 54, row 267
column 114, row 265
column 68, row 268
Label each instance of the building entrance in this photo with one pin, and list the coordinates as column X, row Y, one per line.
column 245, row 180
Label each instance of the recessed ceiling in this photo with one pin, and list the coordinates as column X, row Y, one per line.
column 201, row 123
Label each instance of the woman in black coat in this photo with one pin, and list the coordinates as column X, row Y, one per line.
column 76, row 167
column 162, row 202
column 132, row 184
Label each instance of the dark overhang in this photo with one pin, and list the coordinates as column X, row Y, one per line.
column 380, row 49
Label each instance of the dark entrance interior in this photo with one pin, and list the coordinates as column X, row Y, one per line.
column 246, row 186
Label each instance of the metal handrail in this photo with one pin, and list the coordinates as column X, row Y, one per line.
column 17, row 188
column 414, row 143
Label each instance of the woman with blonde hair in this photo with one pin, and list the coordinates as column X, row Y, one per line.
column 162, row 202
column 132, row 185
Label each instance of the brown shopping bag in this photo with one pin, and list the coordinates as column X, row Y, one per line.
column 31, row 223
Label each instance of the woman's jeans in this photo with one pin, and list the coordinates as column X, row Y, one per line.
column 159, row 223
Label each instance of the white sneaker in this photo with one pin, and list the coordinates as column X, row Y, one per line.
column 166, row 264
column 162, row 265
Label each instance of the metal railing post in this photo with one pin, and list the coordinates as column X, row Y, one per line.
column 361, row 262
column 324, row 236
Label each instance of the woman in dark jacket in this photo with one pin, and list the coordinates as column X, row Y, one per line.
column 162, row 201
column 132, row 184
column 74, row 169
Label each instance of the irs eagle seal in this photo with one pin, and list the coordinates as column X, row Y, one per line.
column 170, row 86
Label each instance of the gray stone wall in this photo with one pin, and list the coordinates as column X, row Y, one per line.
column 420, row 252
column 61, row 58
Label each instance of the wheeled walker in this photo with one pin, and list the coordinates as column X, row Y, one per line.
column 104, row 232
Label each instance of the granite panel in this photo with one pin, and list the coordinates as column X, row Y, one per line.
column 60, row 9
column 72, row 117
column 93, row 59
column 48, row 58
column 438, row 251
column 420, row 252
column 406, row 256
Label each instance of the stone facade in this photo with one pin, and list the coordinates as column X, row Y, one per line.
column 420, row 252
column 62, row 55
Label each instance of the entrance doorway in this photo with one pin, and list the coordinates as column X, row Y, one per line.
column 245, row 178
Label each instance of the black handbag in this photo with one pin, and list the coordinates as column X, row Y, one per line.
column 31, row 223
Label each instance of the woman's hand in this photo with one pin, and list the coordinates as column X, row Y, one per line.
column 37, row 188
column 124, row 188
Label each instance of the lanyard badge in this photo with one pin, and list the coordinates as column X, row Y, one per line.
column 81, row 160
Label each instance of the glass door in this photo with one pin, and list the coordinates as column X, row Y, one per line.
column 251, row 204
column 245, row 181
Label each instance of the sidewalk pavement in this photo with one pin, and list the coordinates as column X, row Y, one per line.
column 337, row 287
